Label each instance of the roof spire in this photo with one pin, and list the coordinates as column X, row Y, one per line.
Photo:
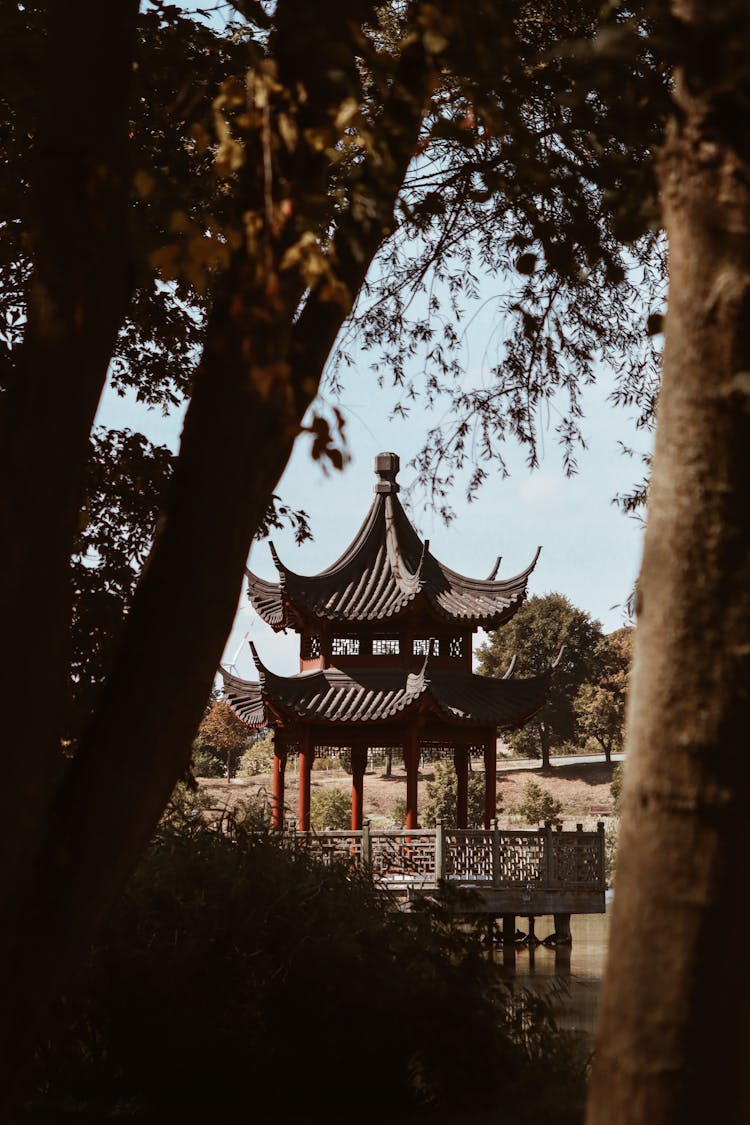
column 386, row 466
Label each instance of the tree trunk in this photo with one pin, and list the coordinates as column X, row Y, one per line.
column 388, row 762
column 675, row 1020
column 544, row 741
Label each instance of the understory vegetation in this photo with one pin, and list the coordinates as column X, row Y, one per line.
column 231, row 963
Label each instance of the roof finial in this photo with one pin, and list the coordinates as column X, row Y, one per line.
column 386, row 466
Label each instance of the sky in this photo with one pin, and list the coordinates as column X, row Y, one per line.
column 590, row 549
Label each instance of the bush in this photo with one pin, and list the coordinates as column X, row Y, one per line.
column 205, row 763
column 398, row 811
column 258, row 758
column 441, row 798
column 225, row 942
column 615, row 788
column 537, row 805
column 330, row 808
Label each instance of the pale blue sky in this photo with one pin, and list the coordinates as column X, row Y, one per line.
column 591, row 551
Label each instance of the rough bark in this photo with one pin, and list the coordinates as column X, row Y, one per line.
column 675, row 1021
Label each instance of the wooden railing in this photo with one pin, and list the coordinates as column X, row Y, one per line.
column 497, row 859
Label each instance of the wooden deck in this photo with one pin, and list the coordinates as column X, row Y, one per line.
column 517, row 871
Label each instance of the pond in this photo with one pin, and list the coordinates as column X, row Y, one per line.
column 570, row 977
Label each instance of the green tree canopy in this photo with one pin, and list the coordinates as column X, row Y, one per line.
column 541, row 627
column 600, row 705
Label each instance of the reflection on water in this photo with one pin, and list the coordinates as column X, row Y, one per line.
column 569, row 976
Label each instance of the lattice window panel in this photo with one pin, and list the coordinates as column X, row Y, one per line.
column 310, row 646
column 468, row 856
column 385, row 646
column 576, row 862
column 522, row 859
column 456, row 646
column 330, row 848
column 403, row 855
column 421, row 646
column 437, row 751
column 345, row 646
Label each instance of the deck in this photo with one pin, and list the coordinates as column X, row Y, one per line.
column 513, row 871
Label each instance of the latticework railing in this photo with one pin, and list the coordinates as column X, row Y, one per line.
column 531, row 859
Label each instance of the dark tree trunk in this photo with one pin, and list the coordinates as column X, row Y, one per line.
column 544, row 745
column 388, row 762
column 675, row 1021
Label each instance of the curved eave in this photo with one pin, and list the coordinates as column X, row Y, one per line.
column 245, row 697
column 267, row 600
column 334, row 698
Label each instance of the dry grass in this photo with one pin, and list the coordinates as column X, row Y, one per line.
column 580, row 788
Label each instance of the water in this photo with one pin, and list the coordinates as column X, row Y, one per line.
column 570, row 977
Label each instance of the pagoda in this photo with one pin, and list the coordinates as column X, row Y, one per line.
column 385, row 661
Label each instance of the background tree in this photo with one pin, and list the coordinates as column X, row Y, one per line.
column 223, row 735
column 600, row 705
column 535, row 635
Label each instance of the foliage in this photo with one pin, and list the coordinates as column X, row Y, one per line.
column 537, row 804
column 440, row 801
column 398, row 812
column 600, row 706
column 615, row 788
column 257, row 758
column 330, row 809
column 535, row 636
column 611, row 840
column 232, row 924
column 205, row 763
column 222, row 734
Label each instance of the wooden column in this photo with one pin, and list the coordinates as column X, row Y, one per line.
column 461, row 762
column 279, row 768
column 306, row 754
column 411, row 761
column 359, row 764
column 490, row 779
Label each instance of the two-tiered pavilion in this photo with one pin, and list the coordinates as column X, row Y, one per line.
column 385, row 660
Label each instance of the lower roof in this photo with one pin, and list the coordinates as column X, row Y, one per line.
column 369, row 696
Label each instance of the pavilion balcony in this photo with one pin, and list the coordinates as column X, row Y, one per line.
column 512, row 871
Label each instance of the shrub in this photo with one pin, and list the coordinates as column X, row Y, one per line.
column 615, row 788
column 537, row 804
column 205, row 763
column 258, row 758
column 224, row 942
column 398, row 811
column 442, row 794
column 330, row 808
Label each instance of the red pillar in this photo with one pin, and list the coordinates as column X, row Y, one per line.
column 411, row 761
column 359, row 763
column 279, row 766
column 490, row 779
column 306, row 754
column 461, row 762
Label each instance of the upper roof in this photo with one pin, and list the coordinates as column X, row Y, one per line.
column 330, row 695
column 386, row 567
